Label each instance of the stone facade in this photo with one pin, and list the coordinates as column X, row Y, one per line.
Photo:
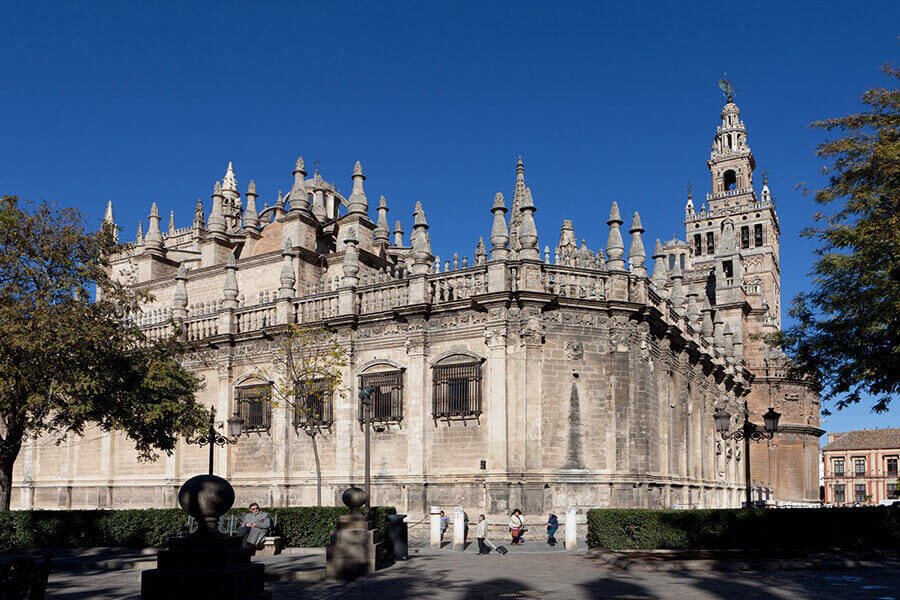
column 511, row 380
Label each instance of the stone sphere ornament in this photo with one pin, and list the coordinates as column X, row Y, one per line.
column 354, row 498
column 206, row 498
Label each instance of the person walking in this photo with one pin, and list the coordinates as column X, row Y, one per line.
column 552, row 526
column 516, row 527
column 481, row 534
column 445, row 522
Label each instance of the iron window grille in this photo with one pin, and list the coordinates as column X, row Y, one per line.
column 313, row 404
column 387, row 399
column 456, row 392
column 254, row 403
column 839, row 494
column 859, row 492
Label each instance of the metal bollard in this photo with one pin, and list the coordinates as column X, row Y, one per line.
column 398, row 536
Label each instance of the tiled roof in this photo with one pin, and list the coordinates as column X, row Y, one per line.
column 866, row 439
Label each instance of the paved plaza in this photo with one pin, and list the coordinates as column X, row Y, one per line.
column 519, row 575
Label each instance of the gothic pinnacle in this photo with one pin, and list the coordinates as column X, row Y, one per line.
column 350, row 264
column 171, row 223
column 110, row 221
column 499, row 232
column 229, row 183
column 154, row 240
column 615, row 249
column 287, row 270
column 398, row 234
column 230, row 289
column 677, row 296
column 297, row 195
column 659, row 276
column 636, row 254
column 480, row 252
column 357, row 203
column 140, row 233
column 251, row 216
column 179, row 296
column 382, row 233
column 421, row 242
column 528, row 235
column 216, row 222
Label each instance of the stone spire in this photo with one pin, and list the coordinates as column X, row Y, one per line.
column 357, row 202
column 421, row 242
column 229, row 183
column 615, row 249
column 154, row 240
column 110, row 221
column 382, row 233
column 171, row 231
column 499, row 232
column 230, row 289
column 398, row 234
column 179, row 296
column 636, row 254
column 199, row 220
column 546, row 255
column 706, row 324
column 350, row 264
column 216, row 222
column 298, row 198
column 693, row 309
column 515, row 217
column 528, row 235
column 480, row 252
column 318, row 207
column 251, row 217
column 140, row 234
column 287, row 270
column 689, row 206
column 677, row 296
column 659, row 277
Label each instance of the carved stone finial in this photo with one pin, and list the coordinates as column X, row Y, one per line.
column 615, row 248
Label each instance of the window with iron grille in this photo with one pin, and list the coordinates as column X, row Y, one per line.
column 839, row 494
column 859, row 492
column 859, row 467
column 254, row 404
column 891, row 467
column 839, row 467
column 313, row 404
column 456, row 390
column 387, row 399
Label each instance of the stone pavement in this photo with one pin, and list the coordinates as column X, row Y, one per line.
column 524, row 575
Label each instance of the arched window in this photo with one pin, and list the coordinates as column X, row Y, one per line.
column 729, row 180
column 456, row 387
column 253, row 401
column 387, row 399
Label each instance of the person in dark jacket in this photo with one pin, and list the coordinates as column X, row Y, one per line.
column 552, row 526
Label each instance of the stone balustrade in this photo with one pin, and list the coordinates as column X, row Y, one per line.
column 316, row 308
column 198, row 328
column 573, row 282
column 254, row 318
column 457, row 284
column 382, row 296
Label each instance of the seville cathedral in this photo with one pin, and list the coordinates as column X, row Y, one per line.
column 536, row 374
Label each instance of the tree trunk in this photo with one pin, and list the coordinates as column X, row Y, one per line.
column 318, row 472
column 6, row 476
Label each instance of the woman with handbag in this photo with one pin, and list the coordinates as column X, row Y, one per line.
column 516, row 526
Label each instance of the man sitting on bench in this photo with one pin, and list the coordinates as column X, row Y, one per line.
column 255, row 526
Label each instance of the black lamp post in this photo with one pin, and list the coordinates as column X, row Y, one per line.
column 746, row 432
column 214, row 438
column 365, row 396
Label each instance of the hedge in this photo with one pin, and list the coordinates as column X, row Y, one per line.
column 304, row 526
column 790, row 529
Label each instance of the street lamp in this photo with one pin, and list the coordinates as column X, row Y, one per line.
column 746, row 432
column 365, row 396
column 213, row 438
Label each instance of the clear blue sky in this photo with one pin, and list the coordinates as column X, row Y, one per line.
column 142, row 102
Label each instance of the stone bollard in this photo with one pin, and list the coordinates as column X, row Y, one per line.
column 435, row 526
column 459, row 529
column 571, row 529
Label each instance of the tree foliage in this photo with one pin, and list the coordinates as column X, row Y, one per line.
column 67, row 361
column 847, row 333
column 309, row 364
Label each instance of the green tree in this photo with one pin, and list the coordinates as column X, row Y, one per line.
column 66, row 361
column 308, row 363
column 846, row 339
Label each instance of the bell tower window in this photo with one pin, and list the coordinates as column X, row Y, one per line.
column 745, row 237
column 729, row 180
column 758, row 234
column 698, row 245
column 710, row 243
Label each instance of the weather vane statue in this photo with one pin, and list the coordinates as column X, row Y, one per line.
column 727, row 87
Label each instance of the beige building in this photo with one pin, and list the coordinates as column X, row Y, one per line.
column 518, row 378
column 861, row 467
